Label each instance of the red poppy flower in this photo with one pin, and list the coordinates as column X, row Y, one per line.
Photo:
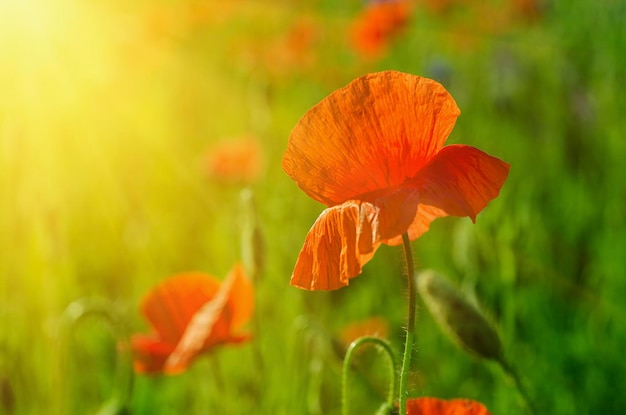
column 372, row 327
column 235, row 161
column 435, row 406
column 374, row 153
column 294, row 51
column 379, row 22
column 191, row 314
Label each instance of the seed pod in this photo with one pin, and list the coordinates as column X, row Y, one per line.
column 458, row 317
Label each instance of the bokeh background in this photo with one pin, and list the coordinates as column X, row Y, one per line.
column 122, row 126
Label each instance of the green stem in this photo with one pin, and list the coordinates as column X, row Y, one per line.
column 511, row 372
column 408, row 345
column 252, row 257
column 346, row 369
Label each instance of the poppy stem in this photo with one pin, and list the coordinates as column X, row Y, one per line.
column 513, row 374
column 383, row 345
column 408, row 345
column 252, row 256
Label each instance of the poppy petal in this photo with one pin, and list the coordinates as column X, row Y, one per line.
column 435, row 406
column 424, row 215
column 340, row 242
column 241, row 300
column 149, row 353
column 396, row 212
column 172, row 304
column 210, row 324
column 375, row 133
column 461, row 180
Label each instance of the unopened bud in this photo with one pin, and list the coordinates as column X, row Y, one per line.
column 458, row 317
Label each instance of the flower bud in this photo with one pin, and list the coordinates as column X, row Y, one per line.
column 458, row 317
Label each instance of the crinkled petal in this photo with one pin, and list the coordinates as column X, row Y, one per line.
column 461, row 180
column 436, row 406
column 375, row 133
column 341, row 241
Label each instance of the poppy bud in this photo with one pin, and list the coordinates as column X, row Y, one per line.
column 458, row 317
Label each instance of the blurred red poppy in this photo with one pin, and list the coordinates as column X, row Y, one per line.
column 235, row 161
column 435, row 406
column 378, row 24
column 294, row 51
column 191, row 314
column 372, row 327
column 530, row 10
column 374, row 153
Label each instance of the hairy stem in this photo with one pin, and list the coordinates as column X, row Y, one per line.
column 408, row 345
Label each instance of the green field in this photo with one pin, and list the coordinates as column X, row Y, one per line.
column 109, row 111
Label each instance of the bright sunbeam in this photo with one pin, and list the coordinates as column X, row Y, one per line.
column 74, row 102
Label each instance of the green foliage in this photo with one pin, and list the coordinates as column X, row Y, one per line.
column 103, row 194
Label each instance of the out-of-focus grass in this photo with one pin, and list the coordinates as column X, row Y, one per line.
column 106, row 111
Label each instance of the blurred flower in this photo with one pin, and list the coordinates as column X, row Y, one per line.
column 471, row 24
column 374, row 153
column 372, row 327
column 435, row 406
column 378, row 24
column 290, row 49
column 191, row 314
column 529, row 10
column 439, row 7
column 238, row 160
column 294, row 51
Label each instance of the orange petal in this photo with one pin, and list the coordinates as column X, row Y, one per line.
column 424, row 215
column 375, row 133
column 171, row 305
column 435, row 406
column 461, row 180
column 211, row 324
column 396, row 212
column 341, row 241
column 149, row 353
column 241, row 300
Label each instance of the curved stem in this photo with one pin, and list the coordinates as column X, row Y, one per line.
column 408, row 345
column 346, row 368
column 123, row 376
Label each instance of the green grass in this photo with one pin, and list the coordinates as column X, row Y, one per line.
column 105, row 116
